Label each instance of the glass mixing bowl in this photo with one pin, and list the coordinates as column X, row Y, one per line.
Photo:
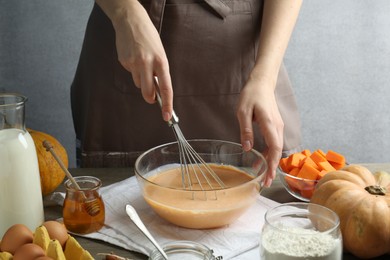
column 159, row 176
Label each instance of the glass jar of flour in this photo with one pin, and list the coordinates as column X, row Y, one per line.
column 20, row 187
column 301, row 231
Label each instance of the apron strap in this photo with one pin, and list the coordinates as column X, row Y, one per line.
column 156, row 12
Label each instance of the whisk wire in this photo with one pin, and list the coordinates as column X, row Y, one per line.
column 184, row 158
column 191, row 161
column 194, row 169
column 185, row 173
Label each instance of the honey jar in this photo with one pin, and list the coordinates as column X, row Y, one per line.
column 83, row 209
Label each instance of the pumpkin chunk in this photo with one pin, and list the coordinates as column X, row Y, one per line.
column 326, row 166
column 337, row 166
column 317, row 157
column 293, row 183
column 307, row 193
column 321, row 152
column 312, row 163
column 283, row 164
column 335, row 157
column 294, row 171
column 306, row 152
column 295, row 160
column 321, row 174
column 308, row 172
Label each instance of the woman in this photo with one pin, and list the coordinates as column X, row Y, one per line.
column 220, row 60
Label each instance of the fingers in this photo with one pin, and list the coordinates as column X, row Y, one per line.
column 141, row 52
column 166, row 93
column 268, row 119
column 136, row 79
column 147, row 85
column 273, row 156
column 143, row 79
column 246, row 129
column 273, row 136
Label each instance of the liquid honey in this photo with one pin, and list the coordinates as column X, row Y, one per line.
column 75, row 214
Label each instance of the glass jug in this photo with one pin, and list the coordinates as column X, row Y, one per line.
column 20, row 187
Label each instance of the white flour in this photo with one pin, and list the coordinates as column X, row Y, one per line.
column 299, row 244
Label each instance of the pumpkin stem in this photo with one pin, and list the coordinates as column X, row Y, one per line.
column 376, row 190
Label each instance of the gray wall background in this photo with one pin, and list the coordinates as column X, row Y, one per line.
column 338, row 60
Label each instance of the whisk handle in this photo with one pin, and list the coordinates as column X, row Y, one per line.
column 175, row 118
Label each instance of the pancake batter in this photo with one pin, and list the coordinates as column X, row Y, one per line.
column 201, row 209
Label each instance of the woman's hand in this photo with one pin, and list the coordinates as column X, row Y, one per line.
column 140, row 50
column 257, row 100
column 258, row 106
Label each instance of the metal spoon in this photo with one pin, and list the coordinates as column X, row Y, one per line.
column 140, row 225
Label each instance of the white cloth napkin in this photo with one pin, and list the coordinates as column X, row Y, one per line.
column 231, row 241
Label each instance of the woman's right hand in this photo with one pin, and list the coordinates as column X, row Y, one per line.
column 140, row 50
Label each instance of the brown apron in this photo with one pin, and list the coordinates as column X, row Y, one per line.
column 211, row 47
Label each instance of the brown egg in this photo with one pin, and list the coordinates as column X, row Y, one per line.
column 57, row 231
column 44, row 258
column 16, row 236
column 28, row 251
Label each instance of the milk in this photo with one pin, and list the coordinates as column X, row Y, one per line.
column 20, row 188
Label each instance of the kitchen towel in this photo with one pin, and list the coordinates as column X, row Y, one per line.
column 240, row 238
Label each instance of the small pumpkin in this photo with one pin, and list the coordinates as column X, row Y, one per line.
column 50, row 172
column 362, row 201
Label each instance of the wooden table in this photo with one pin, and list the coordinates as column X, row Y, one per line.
column 111, row 175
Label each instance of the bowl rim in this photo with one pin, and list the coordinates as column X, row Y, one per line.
column 302, row 206
column 257, row 153
column 294, row 177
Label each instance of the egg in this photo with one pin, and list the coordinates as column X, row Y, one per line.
column 16, row 236
column 44, row 258
column 57, row 231
column 28, row 251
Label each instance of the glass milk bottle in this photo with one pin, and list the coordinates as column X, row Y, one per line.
column 20, row 187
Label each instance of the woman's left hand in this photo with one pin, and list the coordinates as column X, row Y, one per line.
column 257, row 100
column 258, row 106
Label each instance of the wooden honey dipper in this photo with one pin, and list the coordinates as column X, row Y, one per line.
column 91, row 205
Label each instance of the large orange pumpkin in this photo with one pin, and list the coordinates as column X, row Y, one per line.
column 362, row 201
column 50, row 172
